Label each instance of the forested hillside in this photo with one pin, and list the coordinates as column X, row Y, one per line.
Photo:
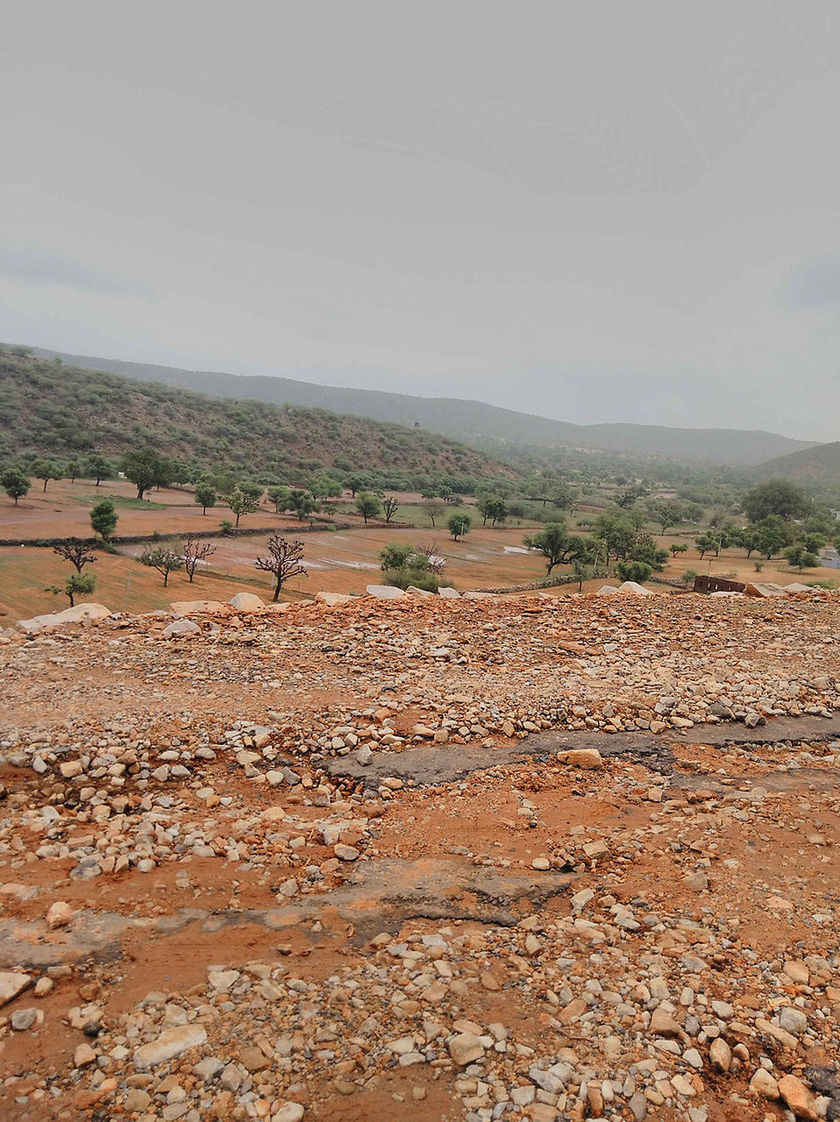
column 53, row 409
column 497, row 431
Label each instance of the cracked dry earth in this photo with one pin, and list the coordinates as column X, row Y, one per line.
column 535, row 859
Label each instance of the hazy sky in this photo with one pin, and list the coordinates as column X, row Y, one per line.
column 595, row 211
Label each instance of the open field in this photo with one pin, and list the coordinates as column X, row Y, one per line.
column 340, row 560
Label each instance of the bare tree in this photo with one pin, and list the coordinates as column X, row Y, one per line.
column 432, row 553
column 76, row 552
column 390, row 506
column 434, row 508
column 284, row 561
column 194, row 552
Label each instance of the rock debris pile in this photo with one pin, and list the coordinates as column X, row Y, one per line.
column 225, row 894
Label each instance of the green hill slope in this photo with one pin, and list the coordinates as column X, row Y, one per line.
column 820, row 464
column 484, row 426
column 59, row 410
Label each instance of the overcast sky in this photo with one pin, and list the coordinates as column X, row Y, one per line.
column 595, row 211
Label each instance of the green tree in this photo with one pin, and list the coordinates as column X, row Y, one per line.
column 164, row 560
column 97, row 467
column 281, row 497
column 395, row 557
column 146, row 469
column 636, row 571
column 323, row 486
column 555, row 543
column 492, row 507
column 72, row 469
column 205, row 494
column 677, row 547
column 46, row 470
column 776, row 497
column 772, row 534
column 241, row 503
column 368, row 505
column 284, row 561
column 103, row 519
column 303, row 503
column 77, row 584
column 706, row 543
column 356, row 483
column 15, row 482
column 617, row 533
column 584, row 559
column 800, row 558
column 459, row 526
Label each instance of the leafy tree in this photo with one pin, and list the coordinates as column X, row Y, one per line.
column 706, row 543
column 303, row 503
column 97, row 467
column 146, row 469
column 800, row 558
column 617, row 533
column 689, row 577
column 252, row 490
column 584, row 559
column 241, row 503
column 666, row 512
column 46, row 470
column 368, row 505
column 459, row 525
column 645, row 549
column 390, row 506
column 77, row 584
column 555, row 543
column 395, row 556
column 76, row 552
column 103, row 519
column 72, row 469
column 15, row 482
column 776, row 497
column 284, row 561
column 813, row 543
column 164, row 560
column 281, row 497
column 562, row 496
column 492, row 507
column 677, row 547
column 356, row 483
column 636, row 571
column 772, row 535
column 324, row 486
column 196, row 551
column 205, row 494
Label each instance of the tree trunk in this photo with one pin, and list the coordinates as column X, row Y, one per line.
column 46, row 481
column 277, row 588
column 72, row 602
column 165, row 578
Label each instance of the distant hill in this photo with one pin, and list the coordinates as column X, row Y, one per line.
column 483, row 426
column 820, row 464
column 60, row 410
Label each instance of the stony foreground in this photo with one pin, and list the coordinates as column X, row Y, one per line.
column 529, row 858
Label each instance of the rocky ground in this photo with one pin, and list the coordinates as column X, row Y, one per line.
column 527, row 858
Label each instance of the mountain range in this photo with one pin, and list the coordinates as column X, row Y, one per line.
column 483, row 426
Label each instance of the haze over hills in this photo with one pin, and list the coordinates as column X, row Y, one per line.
column 481, row 425
column 819, row 464
column 63, row 410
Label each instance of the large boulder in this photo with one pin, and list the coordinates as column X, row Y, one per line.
column 76, row 614
column 196, row 607
column 334, row 599
column 246, row 602
column 181, row 627
column 385, row 592
column 632, row 588
column 449, row 593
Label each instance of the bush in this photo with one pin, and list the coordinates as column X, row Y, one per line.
column 417, row 578
column 637, row 571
